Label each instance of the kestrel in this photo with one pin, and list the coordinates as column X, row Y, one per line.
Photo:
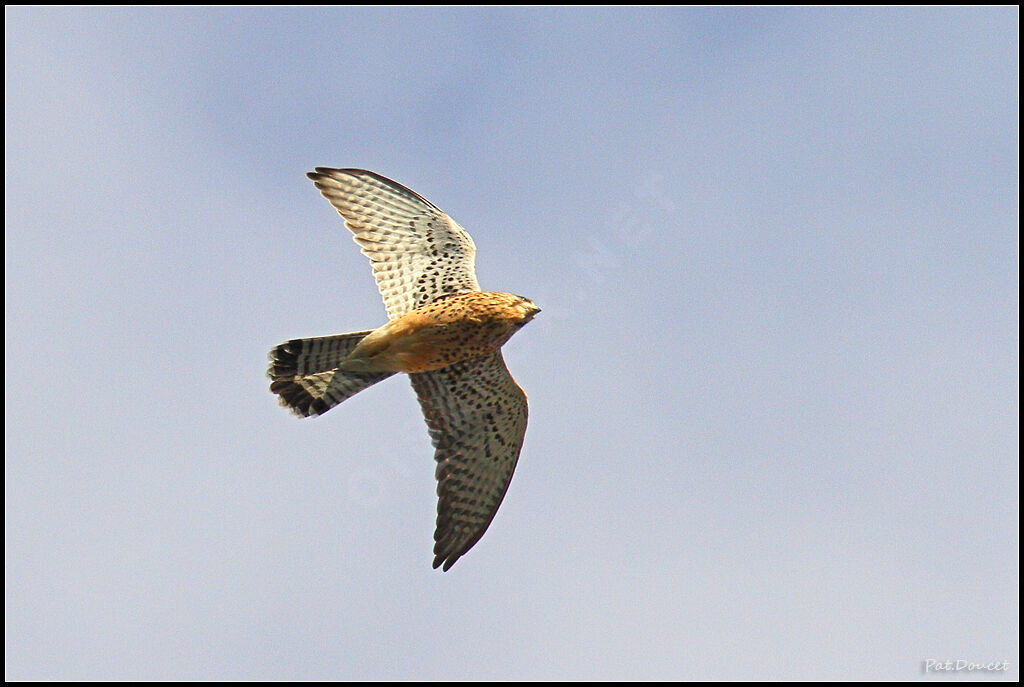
column 443, row 331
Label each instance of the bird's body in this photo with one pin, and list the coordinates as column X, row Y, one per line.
column 438, row 334
column 442, row 330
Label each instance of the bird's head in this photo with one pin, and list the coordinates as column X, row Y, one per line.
column 526, row 309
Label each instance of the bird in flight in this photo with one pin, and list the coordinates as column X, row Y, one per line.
column 442, row 330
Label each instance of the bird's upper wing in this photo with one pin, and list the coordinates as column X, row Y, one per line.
column 418, row 253
column 476, row 415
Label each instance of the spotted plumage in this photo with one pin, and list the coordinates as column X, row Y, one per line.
column 442, row 330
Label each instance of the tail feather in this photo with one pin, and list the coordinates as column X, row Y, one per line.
column 305, row 376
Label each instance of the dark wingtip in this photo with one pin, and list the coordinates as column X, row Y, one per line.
column 320, row 173
column 446, row 559
column 327, row 171
column 444, row 563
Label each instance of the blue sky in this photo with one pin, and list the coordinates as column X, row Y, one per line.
column 774, row 387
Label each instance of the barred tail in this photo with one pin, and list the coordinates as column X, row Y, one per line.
column 305, row 376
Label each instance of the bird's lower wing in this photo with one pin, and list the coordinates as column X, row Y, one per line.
column 476, row 415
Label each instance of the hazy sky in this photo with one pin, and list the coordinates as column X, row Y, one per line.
column 773, row 390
